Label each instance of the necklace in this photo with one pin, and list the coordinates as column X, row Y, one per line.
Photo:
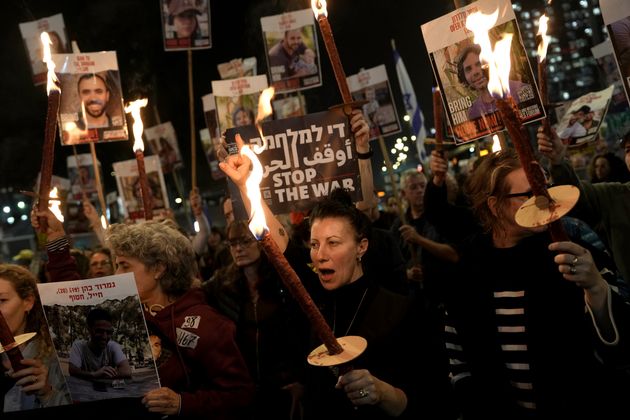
column 353, row 317
column 153, row 309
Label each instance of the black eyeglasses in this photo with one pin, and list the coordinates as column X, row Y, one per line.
column 240, row 241
column 528, row 194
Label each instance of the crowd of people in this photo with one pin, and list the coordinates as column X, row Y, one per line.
column 466, row 313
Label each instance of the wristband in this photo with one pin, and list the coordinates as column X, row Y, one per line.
column 366, row 155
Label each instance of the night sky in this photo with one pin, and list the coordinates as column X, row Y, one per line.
column 362, row 30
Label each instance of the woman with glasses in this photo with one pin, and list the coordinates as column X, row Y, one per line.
column 534, row 329
column 270, row 327
column 100, row 263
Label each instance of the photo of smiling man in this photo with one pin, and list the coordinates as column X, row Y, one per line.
column 91, row 106
column 94, row 94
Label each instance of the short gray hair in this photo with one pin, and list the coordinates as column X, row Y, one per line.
column 157, row 244
column 410, row 173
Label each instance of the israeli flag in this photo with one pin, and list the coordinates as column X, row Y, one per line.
column 411, row 104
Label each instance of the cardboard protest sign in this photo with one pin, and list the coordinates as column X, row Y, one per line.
column 604, row 54
column 163, row 143
column 31, row 32
column 463, row 81
column 186, row 24
column 209, row 145
column 210, row 137
column 82, row 177
column 372, row 85
column 237, row 67
column 236, row 100
column 129, row 189
column 583, row 118
column 616, row 14
column 91, row 108
column 82, row 186
column 291, row 49
column 100, row 308
column 305, row 159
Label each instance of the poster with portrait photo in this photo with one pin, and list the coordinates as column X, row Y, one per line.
column 128, row 182
column 82, row 177
column 238, row 67
column 583, row 118
column 186, row 24
column 290, row 106
column 91, row 109
column 82, row 186
column 372, row 85
column 616, row 15
column 291, row 49
column 31, row 35
column 470, row 109
column 210, row 137
column 236, row 100
column 163, row 143
column 604, row 54
column 210, row 145
column 113, row 308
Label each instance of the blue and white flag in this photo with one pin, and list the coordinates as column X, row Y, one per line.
column 411, row 104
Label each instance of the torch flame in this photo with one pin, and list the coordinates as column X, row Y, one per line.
column 258, row 224
column 544, row 38
column 103, row 221
column 54, row 205
column 264, row 110
column 496, row 144
column 498, row 74
column 134, row 109
column 319, row 7
column 50, row 64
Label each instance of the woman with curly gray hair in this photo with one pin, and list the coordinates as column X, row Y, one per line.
column 201, row 369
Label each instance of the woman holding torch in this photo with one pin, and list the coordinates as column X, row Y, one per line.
column 394, row 376
column 540, row 335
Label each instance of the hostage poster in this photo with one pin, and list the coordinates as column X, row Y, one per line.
column 162, row 141
column 237, row 67
column 128, row 182
column 236, row 100
column 186, row 24
column 372, row 86
column 31, row 32
column 583, row 118
column 291, row 49
column 304, row 160
column 91, row 108
column 616, row 14
column 106, row 312
column 463, row 78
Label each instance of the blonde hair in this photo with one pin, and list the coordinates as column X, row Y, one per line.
column 25, row 286
column 488, row 180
